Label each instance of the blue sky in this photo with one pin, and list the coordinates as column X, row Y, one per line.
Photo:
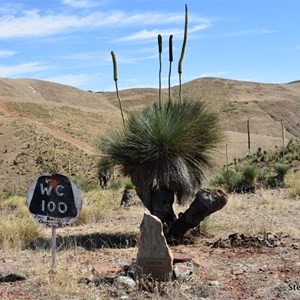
column 69, row 41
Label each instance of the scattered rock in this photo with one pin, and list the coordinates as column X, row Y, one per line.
column 126, row 282
column 222, row 243
column 241, row 240
column 12, row 278
column 237, row 271
column 183, row 271
column 184, row 257
column 215, row 283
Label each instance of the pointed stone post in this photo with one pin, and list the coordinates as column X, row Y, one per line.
column 154, row 256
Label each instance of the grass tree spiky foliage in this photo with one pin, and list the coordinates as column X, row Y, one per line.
column 166, row 146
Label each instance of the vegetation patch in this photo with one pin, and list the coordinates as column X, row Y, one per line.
column 267, row 169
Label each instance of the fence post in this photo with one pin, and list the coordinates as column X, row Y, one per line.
column 283, row 137
column 226, row 157
column 249, row 141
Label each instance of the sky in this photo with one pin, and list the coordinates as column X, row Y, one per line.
column 70, row 41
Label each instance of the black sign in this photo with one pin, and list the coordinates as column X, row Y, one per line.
column 51, row 199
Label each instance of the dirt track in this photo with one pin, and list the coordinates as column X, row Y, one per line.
column 50, row 129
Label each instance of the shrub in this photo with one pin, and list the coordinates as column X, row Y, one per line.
column 281, row 169
column 228, row 179
column 120, row 183
column 249, row 175
column 83, row 184
column 262, row 176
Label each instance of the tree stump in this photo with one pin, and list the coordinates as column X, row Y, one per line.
column 206, row 202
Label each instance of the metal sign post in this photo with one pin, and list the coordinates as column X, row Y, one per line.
column 53, row 247
column 54, row 201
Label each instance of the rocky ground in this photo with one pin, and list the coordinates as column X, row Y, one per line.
column 92, row 260
column 233, row 272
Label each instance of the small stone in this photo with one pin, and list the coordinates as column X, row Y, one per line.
column 183, row 271
column 214, row 283
column 243, row 267
column 126, row 282
column 237, row 272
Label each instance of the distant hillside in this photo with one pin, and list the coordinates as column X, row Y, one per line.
column 45, row 125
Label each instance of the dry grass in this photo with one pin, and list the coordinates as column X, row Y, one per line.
column 293, row 182
column 266, row 211
column 17, row 227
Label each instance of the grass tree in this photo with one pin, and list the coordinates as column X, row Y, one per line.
column 165, row 149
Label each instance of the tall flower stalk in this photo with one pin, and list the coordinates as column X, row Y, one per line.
column 159, row 39
column 115, row 66
column 170, row 64
column 183, row 51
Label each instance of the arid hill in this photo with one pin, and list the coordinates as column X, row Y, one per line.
column 46, row 126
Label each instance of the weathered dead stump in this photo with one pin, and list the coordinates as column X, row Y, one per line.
column 206, row 202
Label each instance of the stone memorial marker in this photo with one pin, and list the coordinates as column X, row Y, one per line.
column 154, row 256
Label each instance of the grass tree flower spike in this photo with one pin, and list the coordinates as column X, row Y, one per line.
column 183, row 51
column 115, row 65
column 170, row 60
column 159, row 39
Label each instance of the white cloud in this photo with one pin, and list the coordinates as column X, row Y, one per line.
column 6, row 71
column 75, row 80
column 150, row 34
column 31, row 23
column 34, row 23
column 81, row 3
column 7, row 53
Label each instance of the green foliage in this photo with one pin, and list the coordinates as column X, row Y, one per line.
column 121, row 183
column 129, row 185
column 249, row 175
column 83, row 184
column 236, row 181
column 282, row 169
column 263, row 168
column 262, row 176
column 168, row 146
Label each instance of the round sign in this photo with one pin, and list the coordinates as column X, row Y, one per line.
column 54, row 200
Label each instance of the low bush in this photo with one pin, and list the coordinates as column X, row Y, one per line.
column 266, row 169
